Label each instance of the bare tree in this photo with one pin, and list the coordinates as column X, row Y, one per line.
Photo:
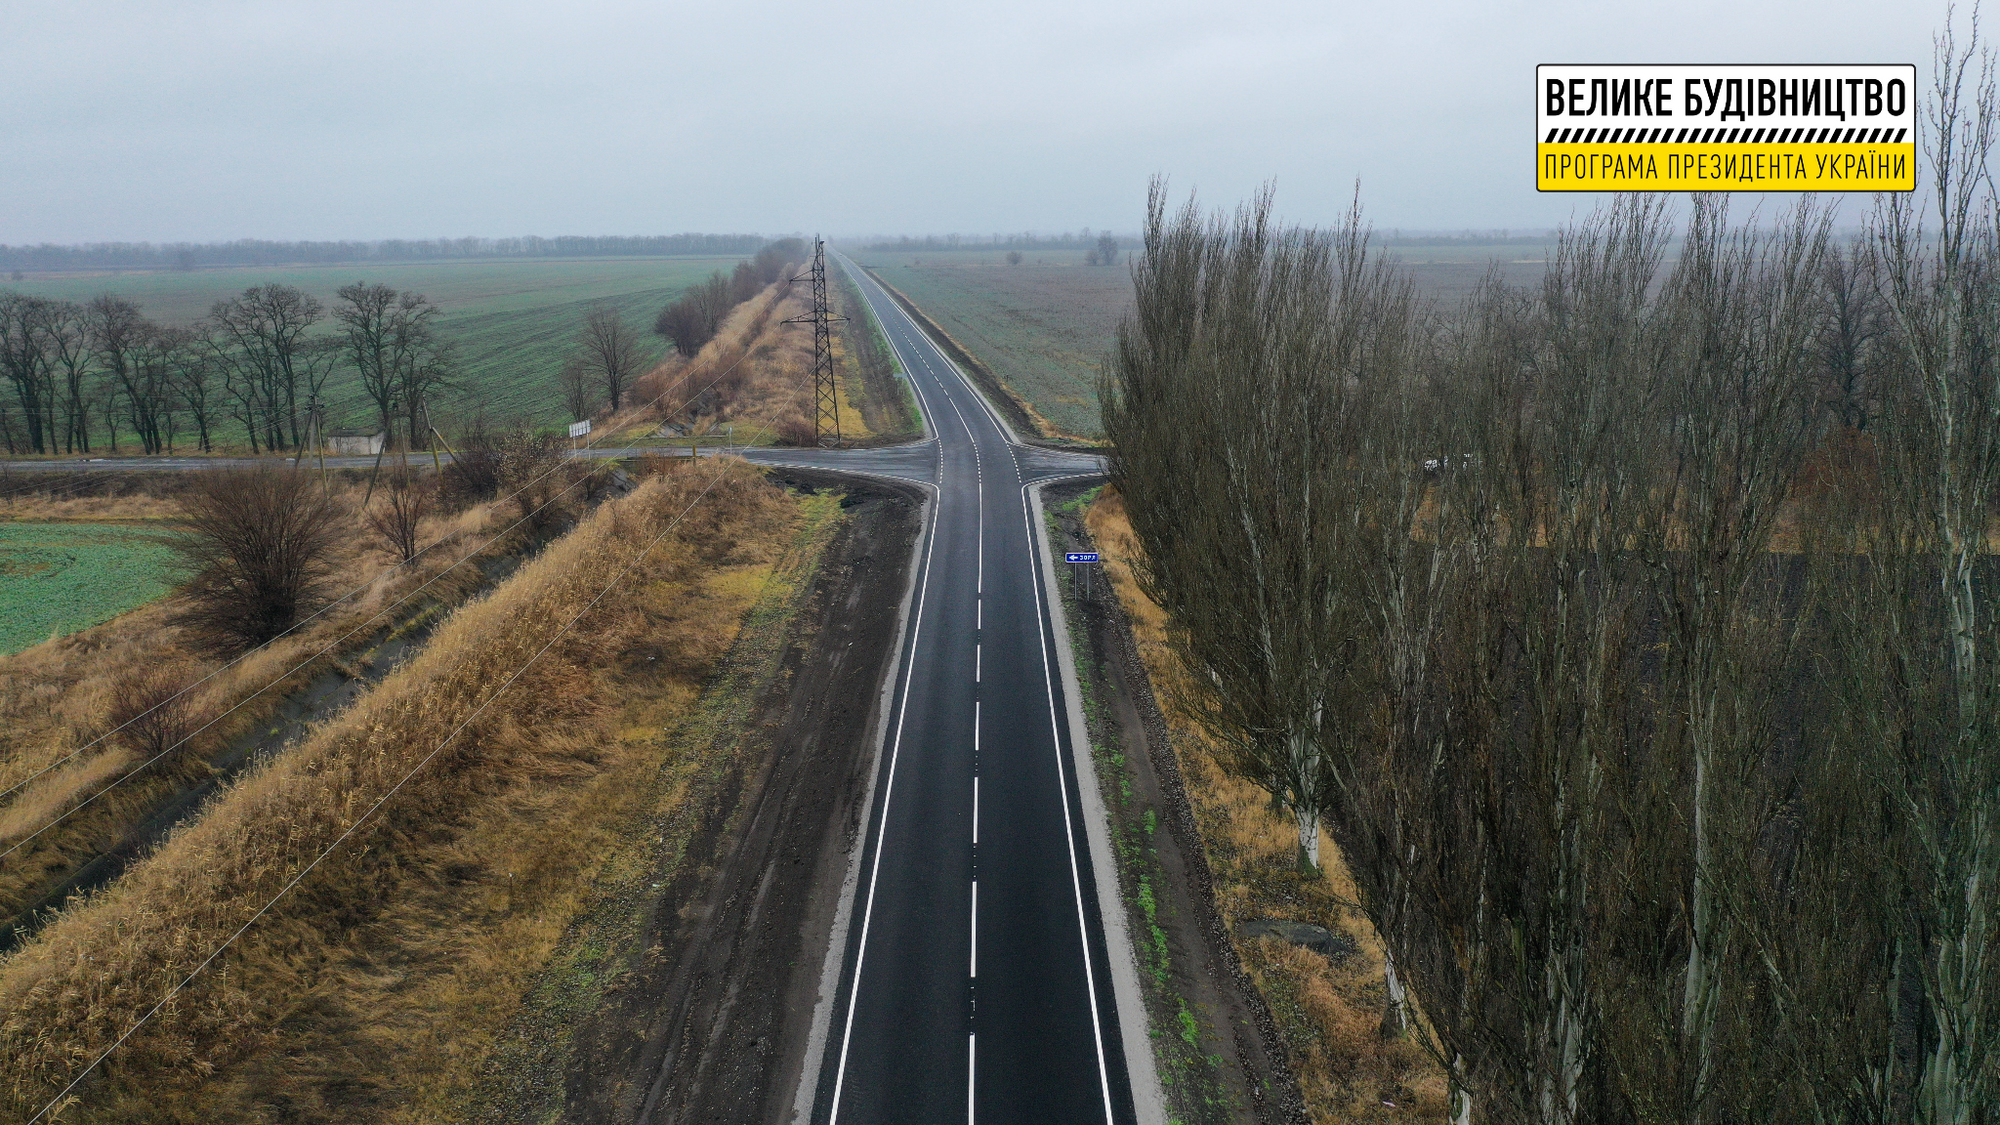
column 390, row 339
column 577, row 384
column 1851, row 336
column 153, row 708
column 73, row 361
column 191, row 367
column 270, row 359
column 1932, row 736
column 26, row 360
column 137, row 359
column 610, row 349
column 691, row 320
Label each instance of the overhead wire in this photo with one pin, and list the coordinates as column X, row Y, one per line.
column 309, row 867
column 169, row 699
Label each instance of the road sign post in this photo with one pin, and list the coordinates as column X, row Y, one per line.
column 1083, row 559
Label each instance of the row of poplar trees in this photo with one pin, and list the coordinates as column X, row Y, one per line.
column 1632, row 634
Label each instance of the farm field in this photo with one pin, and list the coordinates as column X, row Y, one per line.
column 61, row 577
column 1045, row 326
column 513, row 320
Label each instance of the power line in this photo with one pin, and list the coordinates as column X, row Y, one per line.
column 72, row 755
column 379, row 801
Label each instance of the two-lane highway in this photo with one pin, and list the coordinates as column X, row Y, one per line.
column 973, row 980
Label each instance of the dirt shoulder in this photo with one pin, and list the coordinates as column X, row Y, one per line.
column 1248, row 1026
column 1217, row 1048
column 698, row 984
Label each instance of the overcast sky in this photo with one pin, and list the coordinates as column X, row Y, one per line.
column 214, row 119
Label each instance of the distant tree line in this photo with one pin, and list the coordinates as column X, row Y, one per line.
column 256, row 252
column 1085, row 239
column 692, row 319
column 1633, row 634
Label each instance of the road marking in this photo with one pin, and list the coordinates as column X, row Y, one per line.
column 975, row 930
column 888, row 791
column 975, row 838
column 978, row 661
column 1041, row 597
column 971, row 1069
column 1075, row 872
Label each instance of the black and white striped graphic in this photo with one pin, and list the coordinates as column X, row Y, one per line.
column 1714, row 135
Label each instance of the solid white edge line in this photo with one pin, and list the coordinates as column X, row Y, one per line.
column 836, row 952
column 1006, row 430
column 1149, row 1102
column 882, row 826
column 1069, row 832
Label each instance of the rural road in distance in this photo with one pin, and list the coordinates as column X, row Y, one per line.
column 975, row 979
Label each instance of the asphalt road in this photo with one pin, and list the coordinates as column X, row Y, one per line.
column 972, row 978
column 973, row 983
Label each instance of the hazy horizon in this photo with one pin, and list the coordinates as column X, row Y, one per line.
column 218, row 120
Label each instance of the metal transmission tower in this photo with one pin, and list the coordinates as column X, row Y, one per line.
column 826, row 396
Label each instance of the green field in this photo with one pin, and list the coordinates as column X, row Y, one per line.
column 513, row 320
column 1045, row 326
column 61, row 577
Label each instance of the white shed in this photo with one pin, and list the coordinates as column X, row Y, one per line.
column 352, row 445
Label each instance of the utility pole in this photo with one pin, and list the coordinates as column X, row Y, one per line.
column 826, row 395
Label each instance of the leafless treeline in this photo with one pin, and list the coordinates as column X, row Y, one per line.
column 82, row 374
column 694, row 317
column 1632, row 635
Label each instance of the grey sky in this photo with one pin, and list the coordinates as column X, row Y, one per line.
column 213, row 119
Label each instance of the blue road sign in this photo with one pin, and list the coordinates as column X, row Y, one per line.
column 1080, row 556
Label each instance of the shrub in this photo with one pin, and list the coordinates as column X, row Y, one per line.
column 474, row 472
column 259, row 547
column 151, row 708
column 531, row 469
column 405, row 504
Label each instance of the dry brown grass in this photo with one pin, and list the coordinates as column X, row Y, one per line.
column 291, row 979
column 1329, row 1015
column 56, row 697
column 755, row 375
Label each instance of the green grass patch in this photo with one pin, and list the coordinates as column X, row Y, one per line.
column 57, row 578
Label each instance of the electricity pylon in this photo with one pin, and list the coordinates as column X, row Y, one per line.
column 826, row 395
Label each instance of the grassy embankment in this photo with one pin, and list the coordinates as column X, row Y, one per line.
column 58, row 697
column 1328, row 1012
column 753, row 380
column 374, row 989
column 512, row 321
column 870, row 375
